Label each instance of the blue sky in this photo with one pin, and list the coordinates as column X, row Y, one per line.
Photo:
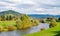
column 31, row 6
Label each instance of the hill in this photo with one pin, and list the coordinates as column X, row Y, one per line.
column 9, row 12
column 43, row 15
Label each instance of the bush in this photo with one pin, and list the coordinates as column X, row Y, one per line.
column 11, row 28
column 43, row 21
column 1, row 28
column 42, row 29
column 52, row 23
column 24, row 22
column 59, row 19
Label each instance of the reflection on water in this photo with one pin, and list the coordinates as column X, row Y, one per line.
column 28, row 31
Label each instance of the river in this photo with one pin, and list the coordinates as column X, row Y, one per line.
column 28, row 31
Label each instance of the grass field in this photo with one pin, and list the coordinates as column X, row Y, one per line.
column 4, row 23
column 55, row 31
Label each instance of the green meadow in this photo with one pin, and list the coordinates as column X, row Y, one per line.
column 55, row 31
column 4, row 23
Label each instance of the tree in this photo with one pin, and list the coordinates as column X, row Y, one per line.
column 0, row 18
column 24, row 22
column 7, row 18
column 52, row 23
column 3, row 17
column 43, row 21
column 10, row 17
column 35, row 22
column 59, row 19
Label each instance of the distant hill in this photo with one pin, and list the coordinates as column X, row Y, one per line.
column 31, row 15
column 43, row 15
column 9, row 12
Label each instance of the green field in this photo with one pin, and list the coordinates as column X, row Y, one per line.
column 55, row 31
column 4, row 23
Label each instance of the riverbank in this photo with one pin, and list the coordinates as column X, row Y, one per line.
column 21, row 32
column 50, row 32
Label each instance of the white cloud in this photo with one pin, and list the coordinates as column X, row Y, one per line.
column 52, row 2
column 40, row 9
column 31, row 6
column 13, row 1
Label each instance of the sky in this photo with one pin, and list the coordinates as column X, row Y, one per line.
column 31, row 6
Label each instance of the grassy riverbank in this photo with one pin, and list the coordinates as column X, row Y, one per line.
column 4, row 23
column 55, row 31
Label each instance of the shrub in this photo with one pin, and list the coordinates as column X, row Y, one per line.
column 59, row 19
column 1, row 28
column 52, row 23
column 42, row 29
column 24, row 22
column 11, row 28
column 43, row 21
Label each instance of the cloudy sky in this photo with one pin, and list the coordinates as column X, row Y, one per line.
column 31, row 6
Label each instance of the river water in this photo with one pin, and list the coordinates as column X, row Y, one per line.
column 28, row 31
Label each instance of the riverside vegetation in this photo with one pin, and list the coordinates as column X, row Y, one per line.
column 54, row 29
column 10, row 22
